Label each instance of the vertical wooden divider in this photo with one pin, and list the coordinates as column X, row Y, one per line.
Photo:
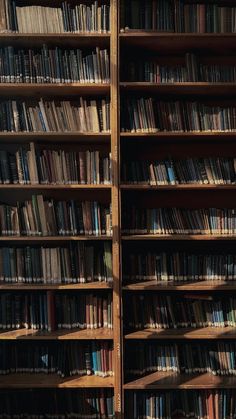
column 115, row 199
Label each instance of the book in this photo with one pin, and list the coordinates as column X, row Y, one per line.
column 81, row 115
column 149, row 115
column 46, row 19
column 179, row 266
column 181, row 403
column 167, row 311
column 54, row 65
column 40, row 217
column 64, row 359
column 205, row 221
column 178, row 16
column 56, row 265
column 56, row 167
column 172, row 171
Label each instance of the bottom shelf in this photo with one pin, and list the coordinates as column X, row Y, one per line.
column 165, row 380
column 53, row 381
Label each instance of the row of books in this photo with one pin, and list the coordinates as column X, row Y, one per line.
column 149, row 115
column 45, row 19
column 216, row 358
column 207, row 170
column 195, row 404
column 191, row 70
column 190, row 310
column 53, row 65
column 57, row 404
column 178, row 16
column 179, row 221
column 82, row 115
column 57, row 167
column 74, row 263
column 64, row 358
column 40, row 217
column 179, row 266
column 47, row 311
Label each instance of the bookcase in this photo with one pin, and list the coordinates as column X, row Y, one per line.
column 161, row 272
column 79, row 271
column 170, row 133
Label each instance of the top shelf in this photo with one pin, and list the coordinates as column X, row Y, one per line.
column 168, row 43
column 84, row 40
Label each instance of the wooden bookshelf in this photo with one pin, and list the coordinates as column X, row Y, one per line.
column 45, row 239
column 62, row 39
column 185, row 88
column 55, row 137
column 20, row 381
column 164, row 48
column 182, row 286
column 57, row 287
column 142, row 43
column 69, row 140
column 57, row 89
column 41, row 187
column 178, row 42
column 180, row 237
column 170, row 381
column 209, row 333
column 62, row 334
column 191, row 186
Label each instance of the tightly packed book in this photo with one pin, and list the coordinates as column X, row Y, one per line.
column 216, row 358
column 207, row 170
column 178, row 16
column 49, row 311
column 57, row 403
column 57, row 167
column 205, row 221
column 53, row 65
column 65, row 358
column 179, row 266
column 51, row 116
column 40, row 217
column 45, row 19
column 195, row 404
column 190, row 310
column 149, row 115
column 190, row 68
column 74, row 263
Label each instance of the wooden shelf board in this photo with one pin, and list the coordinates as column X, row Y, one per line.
column 30, row 334
column 184, row 333
column 191, row 186
column 56, row 287
column 183, row 88
column 168, row 380
column 53, row 381
column 168, row 43
column 179, row 136
column 42, row 137
column 182, row 286
column 49, row 187
column 178, row 237
column 54, row 89
column 59, row 39
column 52, row 238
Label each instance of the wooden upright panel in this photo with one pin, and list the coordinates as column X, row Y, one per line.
column 115, row 199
